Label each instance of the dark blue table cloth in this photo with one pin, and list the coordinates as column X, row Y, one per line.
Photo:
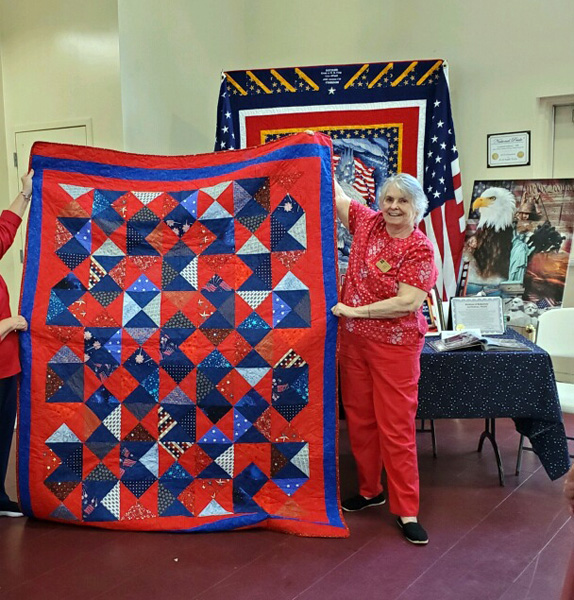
column 475, row 384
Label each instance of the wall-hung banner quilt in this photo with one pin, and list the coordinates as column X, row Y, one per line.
column 383, row 118
column 179, row 371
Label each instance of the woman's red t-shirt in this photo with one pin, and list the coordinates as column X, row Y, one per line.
column 9, row 352
column 411, row 261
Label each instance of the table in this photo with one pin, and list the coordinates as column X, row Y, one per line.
column 474, row 384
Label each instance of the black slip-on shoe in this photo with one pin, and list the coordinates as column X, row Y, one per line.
column 413, row 532
column 10, row 509
column 359, row 502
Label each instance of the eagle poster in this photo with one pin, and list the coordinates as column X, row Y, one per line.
column 518, row 241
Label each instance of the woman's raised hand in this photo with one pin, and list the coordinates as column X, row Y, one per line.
column 27, row 183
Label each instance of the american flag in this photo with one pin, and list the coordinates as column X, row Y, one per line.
column 364, row 182
column 390, row 117
column 216, row 283
column 445, row 223
column 546, row 303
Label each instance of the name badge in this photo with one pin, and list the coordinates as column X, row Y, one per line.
column 383, row 265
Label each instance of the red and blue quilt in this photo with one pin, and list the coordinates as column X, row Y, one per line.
column 179, row 371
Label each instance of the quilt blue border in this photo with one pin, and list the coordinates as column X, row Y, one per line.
column 34, row 249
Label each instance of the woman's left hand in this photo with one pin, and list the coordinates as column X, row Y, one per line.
column 342, row 310
column 27, row 183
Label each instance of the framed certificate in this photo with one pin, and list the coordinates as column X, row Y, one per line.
column 478, row 312
column 508, row 149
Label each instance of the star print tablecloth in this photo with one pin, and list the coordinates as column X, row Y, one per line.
column 520, row 385
column 179, row 371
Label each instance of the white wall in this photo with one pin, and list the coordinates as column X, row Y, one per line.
column 172, row 54
column 60, row 63
column 502, row 56
column 9, row 267
column 3, row 155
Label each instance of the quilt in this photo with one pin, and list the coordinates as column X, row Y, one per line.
column 179, row 371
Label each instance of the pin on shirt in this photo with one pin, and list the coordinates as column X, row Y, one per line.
column 383, row 265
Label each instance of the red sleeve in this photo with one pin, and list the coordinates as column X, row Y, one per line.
column 358, row 213
column 418, row 268
column 9, row 223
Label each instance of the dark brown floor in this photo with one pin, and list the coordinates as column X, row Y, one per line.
column 486, row 542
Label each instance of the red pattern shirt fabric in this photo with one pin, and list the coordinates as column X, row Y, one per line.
column 411, row 261
column 9, row 351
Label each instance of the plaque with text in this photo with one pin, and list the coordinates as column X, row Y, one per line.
column 478, row 312
column 508, row 149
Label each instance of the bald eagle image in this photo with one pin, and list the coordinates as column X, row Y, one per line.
column 492, row 241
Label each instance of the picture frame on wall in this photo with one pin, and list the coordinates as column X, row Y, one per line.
column 510, row 149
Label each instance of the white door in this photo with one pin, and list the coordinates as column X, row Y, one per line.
column 11, row 266
column 563, row 167
column 77, row 135
column 563, row 141
column 60, row 135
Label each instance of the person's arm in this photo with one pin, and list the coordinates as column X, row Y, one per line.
column 343, row 202
column 17, row 323
column 12, row 217
column 22, row 200
column 417, row 268
column 408, row 299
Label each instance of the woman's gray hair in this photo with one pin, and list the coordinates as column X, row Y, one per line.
column 412, row 189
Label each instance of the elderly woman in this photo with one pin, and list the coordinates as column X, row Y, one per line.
column 391, row 270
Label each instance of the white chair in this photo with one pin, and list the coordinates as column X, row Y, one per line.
column 555, row 331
